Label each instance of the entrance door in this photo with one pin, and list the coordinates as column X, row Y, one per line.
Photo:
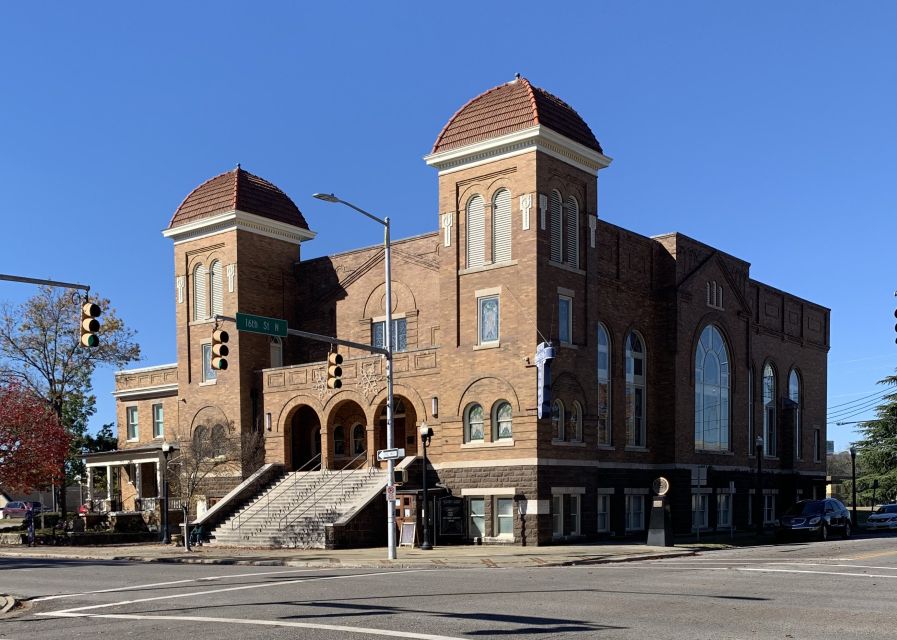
column 305, row 440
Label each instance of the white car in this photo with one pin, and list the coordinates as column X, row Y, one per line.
column 885, row 517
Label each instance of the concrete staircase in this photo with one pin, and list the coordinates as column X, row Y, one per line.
column 293, row 511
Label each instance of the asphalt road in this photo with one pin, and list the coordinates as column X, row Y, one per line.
column 836, row 589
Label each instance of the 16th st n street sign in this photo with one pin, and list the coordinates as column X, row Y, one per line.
column 261, row 324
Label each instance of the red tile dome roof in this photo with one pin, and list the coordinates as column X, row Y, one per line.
column 511, row 107
column 237, row 190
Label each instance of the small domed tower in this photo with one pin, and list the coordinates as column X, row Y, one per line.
column 236, row 240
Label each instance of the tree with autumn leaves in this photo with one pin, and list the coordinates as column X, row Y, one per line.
column 33, row 445
column 41, row 355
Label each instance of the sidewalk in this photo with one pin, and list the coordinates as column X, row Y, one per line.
column 467, row 556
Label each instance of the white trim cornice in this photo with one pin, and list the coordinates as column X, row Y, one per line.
column 156, row 391
column 536, row 138
column 240, row 221
column 156, row 367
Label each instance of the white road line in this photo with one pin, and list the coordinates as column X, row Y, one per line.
column 818, row 573
column 174, row 596
column 140, row 587
column 391, row 633
column 847, row 566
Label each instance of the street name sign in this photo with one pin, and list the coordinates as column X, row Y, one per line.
column 261, row 324
column 390, row 454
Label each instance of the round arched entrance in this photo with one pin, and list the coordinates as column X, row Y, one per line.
column 304, row 447
column 347, row 432
column 404, row 420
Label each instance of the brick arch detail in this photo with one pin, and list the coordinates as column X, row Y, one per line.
column 401, row 292
column 289, row 408
column 567, row 382
column 209, row 408
column 409, row 394
column 504, row 390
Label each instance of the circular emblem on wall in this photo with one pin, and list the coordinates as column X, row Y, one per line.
column 661, row 486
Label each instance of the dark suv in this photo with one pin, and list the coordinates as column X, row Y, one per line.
column 818, row 518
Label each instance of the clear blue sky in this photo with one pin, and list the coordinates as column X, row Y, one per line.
column 765, row 129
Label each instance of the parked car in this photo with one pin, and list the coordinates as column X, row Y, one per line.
column 817, row 518
column 15, row 509
column 884, row 517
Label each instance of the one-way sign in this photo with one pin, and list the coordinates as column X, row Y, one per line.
column 390, row 454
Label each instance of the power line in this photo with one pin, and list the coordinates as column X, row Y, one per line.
column 877, row 393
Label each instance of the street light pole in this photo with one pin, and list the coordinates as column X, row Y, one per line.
column 758, row 510
column 426, row 433
column 853, row 485
column 387, row 336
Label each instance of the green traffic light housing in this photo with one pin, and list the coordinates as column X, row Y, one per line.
column 90, row 311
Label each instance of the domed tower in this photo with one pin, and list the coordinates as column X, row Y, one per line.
column 236, row 240
column 518, row 205
column 517, row 217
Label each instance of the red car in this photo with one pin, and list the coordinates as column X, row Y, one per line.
column 17, row 509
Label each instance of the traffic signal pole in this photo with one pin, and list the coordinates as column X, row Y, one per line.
column 56, row 399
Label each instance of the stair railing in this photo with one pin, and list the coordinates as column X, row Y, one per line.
column 324, row 489
column 283, row 487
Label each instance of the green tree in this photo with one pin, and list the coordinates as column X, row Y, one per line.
column 40, row 347
column 877, row 451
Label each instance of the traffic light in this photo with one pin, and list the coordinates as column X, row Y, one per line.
column 219, row 349
column 334, row 371
column 90, row 325
column 895, row 315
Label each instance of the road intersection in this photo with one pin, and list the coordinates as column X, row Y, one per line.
column 841, row 589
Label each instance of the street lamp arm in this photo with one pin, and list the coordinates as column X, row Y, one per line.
column 329, row 197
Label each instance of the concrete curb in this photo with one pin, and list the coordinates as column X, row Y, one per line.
column 441, row 563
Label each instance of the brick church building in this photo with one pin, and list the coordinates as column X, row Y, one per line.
column 669, row 360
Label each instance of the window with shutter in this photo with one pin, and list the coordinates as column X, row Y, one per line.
column 217, row 287
column 476, row 227
column 571, row 233
column 200, row 292
column 501, row 227
column 555, row 211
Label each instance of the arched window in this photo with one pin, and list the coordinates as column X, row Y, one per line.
column 574, row 425
column 501, row 226
column 476, row 229
column 218, row 441
column 200, row 443
column 711, row 391
column 200, row 292
column 358, row 439
column 556, row 220
column 557, row 420
column 571, row 232
column 769, row 410
column 635, row 391
column 502, row 429
column 473, row 423
column 276, row 352
column 794, row 396
column 216, row 287
column 339, row 441
column 751, row 410
column 604, row 424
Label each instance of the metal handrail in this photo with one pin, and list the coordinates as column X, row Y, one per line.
column 338, row 476
column 255, row 507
